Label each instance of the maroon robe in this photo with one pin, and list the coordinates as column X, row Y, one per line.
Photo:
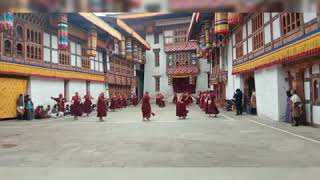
column 202, row 101
column 119, row 102
column 114, row 103
column 60, row 103
column 124, row 102
column 146, row 107
column 76, row 106
column 134, row 100
column 181, row 109
column 87, row 105
column 211, row 107
column 102, row 107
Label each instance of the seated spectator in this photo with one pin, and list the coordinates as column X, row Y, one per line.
column 47, row 112
column 67, row 110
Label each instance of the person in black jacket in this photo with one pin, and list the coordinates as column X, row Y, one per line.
column 238, row 100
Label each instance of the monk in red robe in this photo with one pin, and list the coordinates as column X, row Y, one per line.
column 76, row 106
column 211, row 107
column 87, row 105
column 160, row 101
column 146, row 107
column 203, row 101
column 181, row 108
column 134, row 100
column 124, row 101
column 189, row 99
column 60, row 102
column 102, row 107
column 113, row 103
column 119, row 101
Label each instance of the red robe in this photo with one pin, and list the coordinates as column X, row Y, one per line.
column 161, row 102
column 124, row 102
column 102, row 107
column 76, row 106
column 119, row 102
column 211, row 107
column 60, row 103
column 181, row 109
column 146, row 107
column 134, row 100
column 113, row 103
column 87, row 104
column 202, row 102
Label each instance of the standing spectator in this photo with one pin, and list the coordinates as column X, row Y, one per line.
column 29, row 109
column 238, row 100
column 20, row 107
column 253, row 103
column 296, row 108
column 289, row 108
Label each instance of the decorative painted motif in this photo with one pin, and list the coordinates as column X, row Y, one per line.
column 6, row 22
column 298, row 49
column 129, row 49
column 63, row 40
column 10, row 89
column 234, row 18
column 25, row 70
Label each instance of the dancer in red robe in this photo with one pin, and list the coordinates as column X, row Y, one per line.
column 134, row 100
column 87, row 105
column 181, row 108
column 211, row 106
column 124, row 101
column 102, row 107
column 60, row 102
column 146, row 107
column 113, row 103
column 76, row 106
column 203, row 101
column 119, row 101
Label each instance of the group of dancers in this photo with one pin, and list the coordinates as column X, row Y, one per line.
column 206, row 102
column 78, row 108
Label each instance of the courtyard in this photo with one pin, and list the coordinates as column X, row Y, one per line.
column 125, row 141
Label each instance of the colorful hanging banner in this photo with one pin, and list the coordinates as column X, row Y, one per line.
column 135, row 53
column 92, row 43
column 129, row 49
column 6, row 22
column 221, row 25
column 63, row 40
column 234, row 18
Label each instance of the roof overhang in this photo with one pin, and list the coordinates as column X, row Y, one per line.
column 101, row 24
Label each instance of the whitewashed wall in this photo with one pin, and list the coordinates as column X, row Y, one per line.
column 96, row 88
column 316, row 109
column 271, row 92
column 77, row 86
column 202, row 78
column 42, row 89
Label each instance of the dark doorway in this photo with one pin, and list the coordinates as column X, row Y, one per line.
column 181, row 85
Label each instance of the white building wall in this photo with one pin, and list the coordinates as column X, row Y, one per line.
column 96, row 88
column 151, row 70
column 271, row 92
column 42, row 89
column 316, row 114
column 76, row 86
column 202, row 78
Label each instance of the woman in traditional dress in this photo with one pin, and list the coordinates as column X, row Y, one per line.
column 102, row 107
column 181, row 108
column 76, row 106
column 87, row 105
column 146, row 107
column 211, row 107
column 289, row 108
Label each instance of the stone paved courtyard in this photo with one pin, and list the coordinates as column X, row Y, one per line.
column 125, row 141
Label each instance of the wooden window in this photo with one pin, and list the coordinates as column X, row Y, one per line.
column 28, row 52
column 239, row 50
column 290, row 22
column 19, row 32
column 7, row 47
column 239, row 35
column 316, row 91
column 257, row 22
column 258, row 40
column 156, row 57
column 157, row 84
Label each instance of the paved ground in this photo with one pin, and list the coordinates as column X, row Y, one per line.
column 125, row 141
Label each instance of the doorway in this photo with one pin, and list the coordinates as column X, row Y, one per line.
column 182, row 85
